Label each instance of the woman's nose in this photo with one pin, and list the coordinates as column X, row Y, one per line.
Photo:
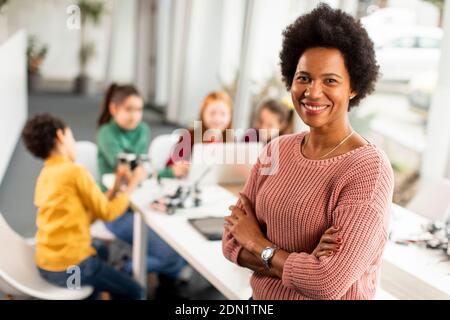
column 315, row 90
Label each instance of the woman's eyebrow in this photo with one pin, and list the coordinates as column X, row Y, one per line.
column 331, row 74
column 323, row 75
column 301, row 72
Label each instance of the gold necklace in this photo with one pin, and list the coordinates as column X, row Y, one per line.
column 332, row 150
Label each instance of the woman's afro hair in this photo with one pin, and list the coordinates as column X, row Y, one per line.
column 331, row 28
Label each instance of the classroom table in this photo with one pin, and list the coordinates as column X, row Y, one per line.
column 413, row 271
column 203, row 255
column 408, row 272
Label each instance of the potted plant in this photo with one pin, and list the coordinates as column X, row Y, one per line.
column 36, row 53
column 91, row 13
column 3, row 21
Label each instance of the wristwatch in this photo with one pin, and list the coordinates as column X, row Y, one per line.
column 267, row 255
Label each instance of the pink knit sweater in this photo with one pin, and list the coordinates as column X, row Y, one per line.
column 305, row 197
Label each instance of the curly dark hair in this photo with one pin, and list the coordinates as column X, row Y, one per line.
column 331, row 28
column 39, row 134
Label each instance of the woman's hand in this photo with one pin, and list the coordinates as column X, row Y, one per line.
column 180, row 169
column 243, row 225
column 329, row 242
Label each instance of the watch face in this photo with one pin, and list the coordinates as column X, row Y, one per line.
column 266, row 253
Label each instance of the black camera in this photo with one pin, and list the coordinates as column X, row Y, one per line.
column 132, row 160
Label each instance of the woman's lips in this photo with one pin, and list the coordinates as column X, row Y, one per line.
column 314, row 109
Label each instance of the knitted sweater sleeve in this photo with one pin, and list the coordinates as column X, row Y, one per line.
column 266, row 164
column 362, row 214
column 230, row 247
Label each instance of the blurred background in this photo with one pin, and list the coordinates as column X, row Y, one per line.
column 178, row 51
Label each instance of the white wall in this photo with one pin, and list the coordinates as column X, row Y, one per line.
column 47, row 20
column 13, row 96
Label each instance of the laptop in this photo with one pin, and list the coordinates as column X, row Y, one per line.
column 223, row 163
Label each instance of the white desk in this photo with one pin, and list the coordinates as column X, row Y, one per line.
column 203, row 255
column 407, row 272
column 413, row 272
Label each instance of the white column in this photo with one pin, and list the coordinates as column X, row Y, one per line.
column 13, row 95
column 3, row 23
column 144, row 68
column 111, row 42
column 163, row 45
column 242, row 110
column 436, row 157
column 181, row 14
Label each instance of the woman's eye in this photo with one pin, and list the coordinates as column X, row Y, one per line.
column 330, row 81
column 302, row 79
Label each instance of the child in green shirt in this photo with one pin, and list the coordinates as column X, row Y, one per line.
column 122, row 130
column 69, row 201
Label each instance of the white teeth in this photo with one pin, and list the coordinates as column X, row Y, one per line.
column 314, row 108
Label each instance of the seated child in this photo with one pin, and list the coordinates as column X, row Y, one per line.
column 68, row 201
column 272, row 120
column 216, row 115
column 123, row 130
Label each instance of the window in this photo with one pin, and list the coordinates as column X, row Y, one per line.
column 428, row 43
column 404, row 42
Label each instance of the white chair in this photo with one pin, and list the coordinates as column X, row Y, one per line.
column 432, row 201
column 87, row 156
column 19, row 276
column 161, row 149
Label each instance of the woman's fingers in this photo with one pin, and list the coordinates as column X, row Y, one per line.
column 326, row 250
column 330, row 242
column 329, row 247
column 236, row 212
column 332, row 230
column 230, row 220
column 323, row 253
column 331, row 238
column 246, row 204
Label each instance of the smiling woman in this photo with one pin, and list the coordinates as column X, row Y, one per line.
column 329, row 176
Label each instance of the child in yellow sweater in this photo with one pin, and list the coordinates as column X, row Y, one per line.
column 68, row 201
